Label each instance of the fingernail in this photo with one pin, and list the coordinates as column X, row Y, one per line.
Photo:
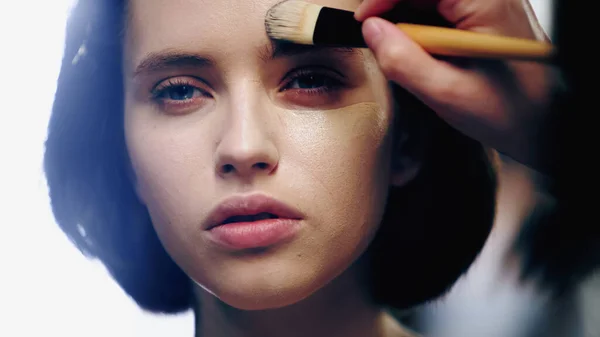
column 372, row 31
column 358, row 13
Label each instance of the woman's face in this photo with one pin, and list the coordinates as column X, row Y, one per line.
column 222, row 124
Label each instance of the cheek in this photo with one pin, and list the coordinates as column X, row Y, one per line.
column 344, row 156
column 169, row 156
column 339, row 143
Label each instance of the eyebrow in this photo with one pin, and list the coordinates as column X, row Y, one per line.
column 278, row 49
column 170, row 58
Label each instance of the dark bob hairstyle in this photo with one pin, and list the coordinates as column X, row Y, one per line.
column 432, row 230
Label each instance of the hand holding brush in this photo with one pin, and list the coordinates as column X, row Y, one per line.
column 494, row 93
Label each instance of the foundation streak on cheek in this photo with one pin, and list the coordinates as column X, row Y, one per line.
column 352, row 132
column 345, row 151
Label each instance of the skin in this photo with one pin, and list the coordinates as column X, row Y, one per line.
column 301, row 146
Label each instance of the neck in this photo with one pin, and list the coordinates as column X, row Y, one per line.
column 341, row 308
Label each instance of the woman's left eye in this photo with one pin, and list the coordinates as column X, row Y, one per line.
column 312, row 87
column 312, row 82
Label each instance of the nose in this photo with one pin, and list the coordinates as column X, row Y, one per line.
column 246, row 148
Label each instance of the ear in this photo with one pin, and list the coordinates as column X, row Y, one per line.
column 405, row 165
column 409, row 140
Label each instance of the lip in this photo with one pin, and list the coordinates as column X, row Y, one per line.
column 250, row 205
column 252, row 233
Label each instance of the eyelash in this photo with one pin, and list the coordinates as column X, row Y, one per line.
column 332, row 82
column 164, row 89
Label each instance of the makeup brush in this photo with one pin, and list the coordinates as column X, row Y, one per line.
column 306, row 23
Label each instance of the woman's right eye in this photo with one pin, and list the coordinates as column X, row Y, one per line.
column 180, row 95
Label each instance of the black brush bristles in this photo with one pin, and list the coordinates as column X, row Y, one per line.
column 306, row 23
column 337, row 27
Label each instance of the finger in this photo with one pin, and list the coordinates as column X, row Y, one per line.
column 538, row 30
column 406, row 63
column 456, row 11
column 373, row 7
column 505, row 17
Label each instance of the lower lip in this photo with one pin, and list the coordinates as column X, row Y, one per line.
column 254, row 234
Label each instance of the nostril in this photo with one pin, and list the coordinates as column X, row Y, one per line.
column 261, row 166
column 227, row 168
column 241, row 169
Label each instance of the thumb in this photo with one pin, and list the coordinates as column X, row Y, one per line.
column 403, row 61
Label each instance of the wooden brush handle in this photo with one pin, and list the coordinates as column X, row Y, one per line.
column 456, row 42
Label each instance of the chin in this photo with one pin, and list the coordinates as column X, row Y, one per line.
column 260, row 297
column 265, row 288
column 263, row 300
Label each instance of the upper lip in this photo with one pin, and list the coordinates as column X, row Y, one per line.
column 250, row 205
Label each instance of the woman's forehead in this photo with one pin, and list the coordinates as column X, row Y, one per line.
column 217, row 25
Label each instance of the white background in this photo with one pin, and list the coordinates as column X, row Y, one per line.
column 47, row 287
